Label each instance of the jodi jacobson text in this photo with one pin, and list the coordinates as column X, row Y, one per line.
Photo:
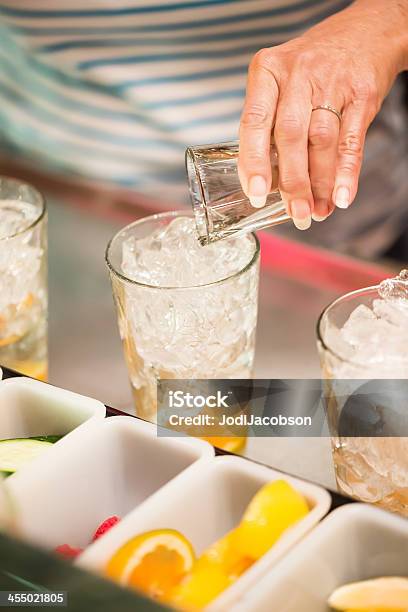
column 241, row 420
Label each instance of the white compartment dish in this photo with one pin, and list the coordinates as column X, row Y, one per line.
column 355, row 542
column 205, row 503
column 30, row 408
column 105, row 469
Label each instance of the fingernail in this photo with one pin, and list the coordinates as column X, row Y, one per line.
column 257, row 191
column 318, row 218
column 300, row 210
column 321, row 210
column 342, row 198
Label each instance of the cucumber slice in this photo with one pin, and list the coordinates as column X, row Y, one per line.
column 16, row 453
column 51, row 439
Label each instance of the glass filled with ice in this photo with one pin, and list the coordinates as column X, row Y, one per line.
column 23, row 278
column 362, row 341
column 185, row 311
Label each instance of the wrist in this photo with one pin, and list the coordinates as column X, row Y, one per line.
column 390, row 21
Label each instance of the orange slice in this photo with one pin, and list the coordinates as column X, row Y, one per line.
column 153, row 562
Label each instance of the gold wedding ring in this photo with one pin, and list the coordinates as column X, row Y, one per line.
column 328, row 108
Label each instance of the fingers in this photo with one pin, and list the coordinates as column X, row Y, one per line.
column 254, row 165
column 323, row 142
column 355, row 122
column 291, row 137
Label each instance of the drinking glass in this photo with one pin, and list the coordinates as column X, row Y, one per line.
column 23, row 278
column 372, row 469
column 205, row 331
column 221, row 209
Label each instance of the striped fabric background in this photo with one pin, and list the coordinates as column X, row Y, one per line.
column 115, row 89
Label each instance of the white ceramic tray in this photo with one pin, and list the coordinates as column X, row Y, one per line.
column 118, row 466
column 204, row 503
column 30, row 408
column 105, row 469
column 355, row 542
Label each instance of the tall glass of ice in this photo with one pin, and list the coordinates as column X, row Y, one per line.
column 362, row 340
column 185, row 311
column 23, row 278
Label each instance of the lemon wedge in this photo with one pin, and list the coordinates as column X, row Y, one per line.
column 378, row 595
column 215, row 570
column 276, row 507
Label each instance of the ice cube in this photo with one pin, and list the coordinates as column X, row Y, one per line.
column 20, row 254
column 358, row 327
column 396, row 287
column 375, row 469
column 173, row 257
column 15, row 216
column 334, row 339
column 374, row 340
column 360, row 314
column 394, row 311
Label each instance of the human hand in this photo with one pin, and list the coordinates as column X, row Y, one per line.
column 349, row 62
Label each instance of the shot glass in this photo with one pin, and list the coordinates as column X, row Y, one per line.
column 195, row 332
column 23, row 278
column 370, row 392
column 221, row 209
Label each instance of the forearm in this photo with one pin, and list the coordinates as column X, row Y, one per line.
column 374, row 30
column 390, row 19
